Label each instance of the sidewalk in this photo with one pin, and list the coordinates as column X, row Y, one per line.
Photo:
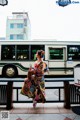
column 47, row 111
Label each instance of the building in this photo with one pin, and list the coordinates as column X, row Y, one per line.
column 18, row 26
column 2, row 38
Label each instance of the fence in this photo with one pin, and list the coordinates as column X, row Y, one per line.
column 68, row 90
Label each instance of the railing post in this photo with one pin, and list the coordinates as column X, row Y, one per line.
column 9, row 95
column 66, row 95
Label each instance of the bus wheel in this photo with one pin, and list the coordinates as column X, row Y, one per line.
column 10, row 71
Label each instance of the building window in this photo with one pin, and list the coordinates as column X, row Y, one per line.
column 11, row 37
column 19, row 25
column 11, row 25
column 19, row 16
column 20, row 36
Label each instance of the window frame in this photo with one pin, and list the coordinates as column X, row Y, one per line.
column 75, row 56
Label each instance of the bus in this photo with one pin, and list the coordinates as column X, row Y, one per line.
column 17, row 56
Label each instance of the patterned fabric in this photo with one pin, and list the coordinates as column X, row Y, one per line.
column 36, row 83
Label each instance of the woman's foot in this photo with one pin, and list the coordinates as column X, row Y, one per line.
column 34, row 103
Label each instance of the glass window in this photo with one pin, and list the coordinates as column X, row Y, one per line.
column 56, row 53
column 19, row 16
column 11, row 37
column 8, row 52
column 34, row 49
column 22, row 52
column 11, row 25
column 19, row 25
column 73, row 52
column 20, row 36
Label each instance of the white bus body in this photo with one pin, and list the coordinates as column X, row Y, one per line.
column 60, row 56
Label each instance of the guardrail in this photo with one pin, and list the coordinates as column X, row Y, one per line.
column 9, row 89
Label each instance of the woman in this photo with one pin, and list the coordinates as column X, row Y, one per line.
column 35, row 86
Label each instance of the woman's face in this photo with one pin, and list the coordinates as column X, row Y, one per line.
column 37, row 55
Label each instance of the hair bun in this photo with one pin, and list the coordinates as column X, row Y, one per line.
column 41, row 53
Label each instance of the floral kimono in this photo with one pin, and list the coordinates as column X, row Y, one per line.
column 35, row 83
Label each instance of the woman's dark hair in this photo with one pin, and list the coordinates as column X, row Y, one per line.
column 40, row 53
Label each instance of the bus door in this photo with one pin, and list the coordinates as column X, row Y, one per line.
column 57, row 59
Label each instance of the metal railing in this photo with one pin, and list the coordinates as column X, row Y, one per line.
column 3, row 94
column 58, row 89
column 66, row 93
column 74, row 97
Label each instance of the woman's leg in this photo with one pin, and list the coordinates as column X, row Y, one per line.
column 34, row 103
column 35, row 99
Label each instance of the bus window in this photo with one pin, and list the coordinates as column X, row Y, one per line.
column 22, row 52
column 56, row 53
column 34, row 49
column 8, row 52
column 73, row 52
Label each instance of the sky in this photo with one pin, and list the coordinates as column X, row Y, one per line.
column 48, row 20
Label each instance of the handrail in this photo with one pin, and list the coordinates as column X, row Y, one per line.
column 66, row 88
column 46, row 79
